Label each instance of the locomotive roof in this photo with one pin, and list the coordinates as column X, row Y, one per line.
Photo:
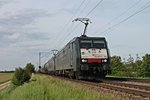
column 103, row 38
column 91, row 37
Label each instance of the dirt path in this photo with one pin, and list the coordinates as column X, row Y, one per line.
column 4, row 85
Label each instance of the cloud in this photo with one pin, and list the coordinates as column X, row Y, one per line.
column 65, row 10
column 21, row 18
column 12, row 36
column 16, row 38
column 3, row 2
column 19, row 25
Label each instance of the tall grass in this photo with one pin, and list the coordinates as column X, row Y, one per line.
column 48, row 88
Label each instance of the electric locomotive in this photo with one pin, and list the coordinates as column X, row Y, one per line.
column 82, row 58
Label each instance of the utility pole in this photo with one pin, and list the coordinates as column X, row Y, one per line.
column 40, row 57
column 54, row 53
column 84, row 21
column 39, row 60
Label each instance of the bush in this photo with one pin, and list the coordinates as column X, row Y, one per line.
column 30, row 68
column 20, row 76
column 26, row 76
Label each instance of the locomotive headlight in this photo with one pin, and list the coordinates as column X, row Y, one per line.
column 105, row 60
column 83, row 60
column 83, row 53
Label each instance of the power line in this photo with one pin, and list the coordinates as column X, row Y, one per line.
column 74, row 14
column 94, row 8
column 71, row 18
column 135, row 13
column 86, row 5
column 126, row 11
column 85, row 16
column 121, row 14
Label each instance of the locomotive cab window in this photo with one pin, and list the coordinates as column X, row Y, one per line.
column 86, row 43
column 92, row 44
column 98, row 44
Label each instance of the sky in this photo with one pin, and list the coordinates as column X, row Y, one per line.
column 28, row 27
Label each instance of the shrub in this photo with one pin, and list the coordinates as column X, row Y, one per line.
column 30, row 68
column 20, row 76
column 26, row 76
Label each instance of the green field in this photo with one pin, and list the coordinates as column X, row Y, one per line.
column 5, row 77
column 44, row 87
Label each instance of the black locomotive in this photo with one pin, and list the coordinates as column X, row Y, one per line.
column 82, row 58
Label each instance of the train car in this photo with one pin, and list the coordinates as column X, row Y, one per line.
column 49, row 66
column 82, row 58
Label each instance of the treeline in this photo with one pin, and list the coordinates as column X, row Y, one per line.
column 7, row 71
column 132, row 67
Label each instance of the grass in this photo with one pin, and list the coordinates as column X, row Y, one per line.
column 44, row 87
column 5, row 77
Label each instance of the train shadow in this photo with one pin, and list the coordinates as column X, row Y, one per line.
column 93, row 80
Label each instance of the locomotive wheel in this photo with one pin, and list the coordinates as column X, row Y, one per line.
column 70, row 75
column 77, row 75
column 103, row 75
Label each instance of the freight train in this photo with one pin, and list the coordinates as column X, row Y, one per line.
column 82, row 58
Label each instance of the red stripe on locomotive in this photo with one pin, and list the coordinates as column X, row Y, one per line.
column 92, row 60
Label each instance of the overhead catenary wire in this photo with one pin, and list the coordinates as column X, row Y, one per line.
column 85, row 16
column 84, row 8
column 89, row 13
column 117, row 17
column 73, row 14
column 94, row 8
column 75, row 27
column 64, row 27
column 132, row 6
column 135, row 13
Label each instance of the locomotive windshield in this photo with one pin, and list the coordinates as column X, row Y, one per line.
column 98, row 44
column 92, row 44
column 86, row 43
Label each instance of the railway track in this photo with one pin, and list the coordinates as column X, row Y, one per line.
column 128, row 79
column 129, row 85
column 136, row 90
column 131, row 89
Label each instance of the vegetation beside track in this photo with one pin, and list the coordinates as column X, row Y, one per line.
column 44, row 87
column 132, row 67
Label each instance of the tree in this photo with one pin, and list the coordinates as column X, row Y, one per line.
column 130, row 59
column 145, row 67
column 20, row 76
column 138, row 63
column 30, row 68
column 131, row 67
column 116, row 64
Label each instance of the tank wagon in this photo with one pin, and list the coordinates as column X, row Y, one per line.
column 82, row 58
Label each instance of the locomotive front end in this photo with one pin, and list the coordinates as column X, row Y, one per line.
column 94, row 57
